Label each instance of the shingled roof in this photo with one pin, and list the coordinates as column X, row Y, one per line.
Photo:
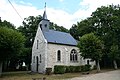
column 58, row 37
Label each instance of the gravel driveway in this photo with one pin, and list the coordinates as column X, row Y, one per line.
column 111, row 75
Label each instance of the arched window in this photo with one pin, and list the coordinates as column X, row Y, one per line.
column 40, row 58
column 73, row 55
column 88, row 62
column 58, row 55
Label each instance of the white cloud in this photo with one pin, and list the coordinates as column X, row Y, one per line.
column 94, row 4
column 57, row 16
column 24, row 3
column 61, row 0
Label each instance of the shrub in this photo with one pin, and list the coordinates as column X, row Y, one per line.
column 82, row 68
column 59, row 69
column 77, row 68
column 67, row 69
column 94, row 67
column 48, row 71
column 85, row 68
column 72, row 69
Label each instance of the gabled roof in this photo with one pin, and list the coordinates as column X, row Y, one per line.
column 58, row 37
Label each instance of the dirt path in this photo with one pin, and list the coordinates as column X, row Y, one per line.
column 111, row 75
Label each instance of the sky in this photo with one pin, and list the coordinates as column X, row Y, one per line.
column 62, row 12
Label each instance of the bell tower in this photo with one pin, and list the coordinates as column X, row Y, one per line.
column 44, row 24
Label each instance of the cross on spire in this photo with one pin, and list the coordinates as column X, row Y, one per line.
column 44, row 14
column 45, row 6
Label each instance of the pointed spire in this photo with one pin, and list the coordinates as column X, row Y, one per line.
column 44, row 14
column 45, row 5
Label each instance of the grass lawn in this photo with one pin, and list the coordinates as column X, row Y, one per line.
column 24, row 75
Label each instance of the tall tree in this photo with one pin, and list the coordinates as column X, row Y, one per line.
column 104, row 22
column 6, row 24
column 81, row 28
column 11, row 44
column 55, row 27
column 114, row 54
column 29, row 29
column 91, row 47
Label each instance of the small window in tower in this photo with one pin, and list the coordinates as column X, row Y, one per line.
column 45, row 25
column 41, row 26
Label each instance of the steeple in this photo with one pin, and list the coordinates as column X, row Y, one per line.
column 44, row 23
column 44, row 14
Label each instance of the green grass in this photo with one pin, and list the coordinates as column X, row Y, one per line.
column 24, row 75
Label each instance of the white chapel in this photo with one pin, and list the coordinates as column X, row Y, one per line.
column 52, row 48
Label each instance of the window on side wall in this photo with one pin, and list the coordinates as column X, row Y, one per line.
column 40, row 58
column 73, row 56
column 88, row 62
column 58, row 55
column 33, row 59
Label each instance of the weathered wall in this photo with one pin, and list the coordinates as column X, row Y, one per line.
column 65, row 56
column 36, row 52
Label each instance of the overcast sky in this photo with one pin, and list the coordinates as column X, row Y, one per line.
column 62, row 12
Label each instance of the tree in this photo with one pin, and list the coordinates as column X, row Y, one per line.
column 11, row 44
column 6, row 24
column 114, row 54
column 81, row 28
column 91, row 47
column 74, row 31
column 104, row 22
column 55, row 27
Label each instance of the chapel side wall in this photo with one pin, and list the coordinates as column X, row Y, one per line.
column 37, row 51
column 65, row 55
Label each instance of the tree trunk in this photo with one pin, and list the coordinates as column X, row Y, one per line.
column 0, row 69
column 98, row 66
column 115, row 64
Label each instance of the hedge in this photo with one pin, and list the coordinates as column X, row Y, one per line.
column 61, row 69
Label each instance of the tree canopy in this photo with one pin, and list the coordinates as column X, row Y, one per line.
column 11, row 43
column 6, row 24
column 91, row 47
column 104, row 23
